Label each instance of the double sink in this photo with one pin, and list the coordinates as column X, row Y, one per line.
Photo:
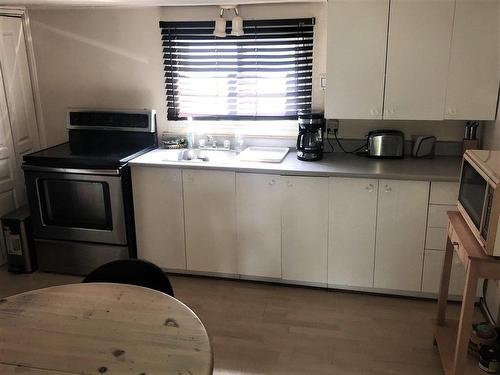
column 200, row 155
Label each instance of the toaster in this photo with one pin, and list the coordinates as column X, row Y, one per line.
column 385, row 144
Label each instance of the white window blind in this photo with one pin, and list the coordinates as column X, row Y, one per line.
column 265, row 74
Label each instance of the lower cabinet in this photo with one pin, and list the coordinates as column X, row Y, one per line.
column 210, row 220
column 433, row 267
column 352, row 232
column 159, row 216
column 351, row 245
column 258, row 218
column 304, row 207
column 400, row 236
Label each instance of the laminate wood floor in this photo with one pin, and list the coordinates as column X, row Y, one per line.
column 258, row 328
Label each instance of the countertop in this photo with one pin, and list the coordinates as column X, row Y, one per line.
column 443, row 168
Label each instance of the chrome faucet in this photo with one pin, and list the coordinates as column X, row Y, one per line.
column 211, row 140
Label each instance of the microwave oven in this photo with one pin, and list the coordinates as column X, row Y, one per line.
column 479, row 197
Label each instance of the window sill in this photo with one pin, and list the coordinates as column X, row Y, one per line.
column 280, row 128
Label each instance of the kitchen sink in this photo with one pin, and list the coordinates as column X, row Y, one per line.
column 200, row 156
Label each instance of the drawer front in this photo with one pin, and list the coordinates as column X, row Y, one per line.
column 436, row 238
column 444, row 193
column 437, row 215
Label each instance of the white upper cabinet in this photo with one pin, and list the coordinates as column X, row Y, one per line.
column 412, row 59
column 305, row 229
column 351, row 244
column 356, row 50
column 258, row 216
column 417, row 59
column 210, row 220
column 474, row 61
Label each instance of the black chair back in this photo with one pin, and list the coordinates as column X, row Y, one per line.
column 133, row 272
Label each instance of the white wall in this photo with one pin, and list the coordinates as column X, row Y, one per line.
column 112, row 58
column 96, row 58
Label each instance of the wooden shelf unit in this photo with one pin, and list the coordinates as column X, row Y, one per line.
column 452, row 337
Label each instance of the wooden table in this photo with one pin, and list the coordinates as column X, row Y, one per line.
column 452, row 337
column 101, row 328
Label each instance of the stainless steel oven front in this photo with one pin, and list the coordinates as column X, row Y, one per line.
column 77, row 204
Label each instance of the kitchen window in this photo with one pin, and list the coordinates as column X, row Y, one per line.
column 265, row 74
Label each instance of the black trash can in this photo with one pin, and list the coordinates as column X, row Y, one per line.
column 19, row 244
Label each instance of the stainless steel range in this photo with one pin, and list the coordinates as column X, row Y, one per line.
column 80, row 192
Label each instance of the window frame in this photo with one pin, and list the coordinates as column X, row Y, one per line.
column 284, row 122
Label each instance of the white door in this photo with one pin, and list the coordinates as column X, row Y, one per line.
column 417, row 59
column 159, row 216
column 9, row 173
column 474, row 63
column 351, row 244
column 356, row 51
column 258, row 213
column 401, row 224
column 210, row 221
column 305, row 229
column 19, row 92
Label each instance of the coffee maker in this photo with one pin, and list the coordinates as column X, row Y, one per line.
column 310, row 139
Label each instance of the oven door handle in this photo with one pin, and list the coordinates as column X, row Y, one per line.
column 105, row 172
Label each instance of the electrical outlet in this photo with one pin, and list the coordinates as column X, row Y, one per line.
column 333, row 124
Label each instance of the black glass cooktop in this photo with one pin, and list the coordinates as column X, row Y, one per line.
column 95, row 150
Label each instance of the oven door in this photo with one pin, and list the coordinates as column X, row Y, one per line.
column 76, row 204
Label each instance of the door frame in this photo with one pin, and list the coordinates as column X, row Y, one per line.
column 22, row 12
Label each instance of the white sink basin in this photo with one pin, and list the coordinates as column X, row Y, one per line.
column 200, row 156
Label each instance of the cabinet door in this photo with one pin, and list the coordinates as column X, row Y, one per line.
column 305, row 229
column 258, row 213
column 21, row 106
column 473, row 79
column 401, row 222
column 210, row 221
column 351, row 245
column 417, row 59
column 357, row 40
column 159, row 216
column 444, row 193
column 433, row 266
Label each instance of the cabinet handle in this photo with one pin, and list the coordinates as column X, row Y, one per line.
column 455, row 244
column 388, row 189
column 289, row 184
column 272, row 182
column 370, row 188
column 451, row 111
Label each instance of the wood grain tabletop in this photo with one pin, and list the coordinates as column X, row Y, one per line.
column 101, row 328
